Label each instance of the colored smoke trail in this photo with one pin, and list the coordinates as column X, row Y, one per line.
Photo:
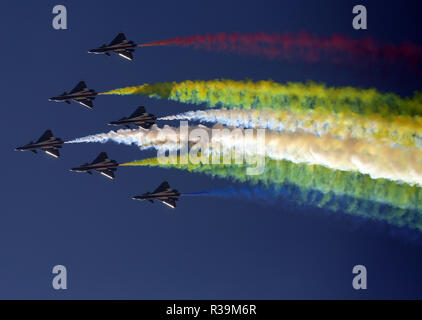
column 354, row 193
column 355, row 126
column 310, row 47
column 378, row 161
column 143, row 138
column 294, row 97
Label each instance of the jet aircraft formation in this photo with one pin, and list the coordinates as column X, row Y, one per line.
column 139, row 118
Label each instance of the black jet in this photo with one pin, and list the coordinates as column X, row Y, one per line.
column 80, row 94
column 119, row 45
column 163, row 193
column 139, row 118
column 101, row 164
column 47, row 143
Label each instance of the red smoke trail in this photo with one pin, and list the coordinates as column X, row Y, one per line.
column 304, row 45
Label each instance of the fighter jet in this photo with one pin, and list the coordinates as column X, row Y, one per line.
column 101, row 164
column 119, row 45
column 139, row 118
column 47, row 143
column 163, row 193
column 80, row 94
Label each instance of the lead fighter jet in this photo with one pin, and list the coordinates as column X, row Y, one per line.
column 80, row 94
column 163, row 193
column 47, row 143
column 139, row 118
column 101, row 164
column 119, row 45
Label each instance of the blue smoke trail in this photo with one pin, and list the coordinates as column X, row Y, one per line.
column 252, row 193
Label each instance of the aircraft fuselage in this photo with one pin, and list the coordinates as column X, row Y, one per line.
column 157, row 196
column 99, row 166
column 117, row 48
column 45, row 144
column 133, row 121
column 74, row 96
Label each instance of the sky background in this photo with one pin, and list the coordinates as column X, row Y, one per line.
column 208, row 248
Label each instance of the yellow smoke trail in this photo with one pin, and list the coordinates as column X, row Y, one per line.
column 291, row 96
column 367, row 113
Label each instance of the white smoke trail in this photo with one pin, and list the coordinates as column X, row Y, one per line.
column 376, row 160
column 253, row 118
column 398, row 131
column 144, row 138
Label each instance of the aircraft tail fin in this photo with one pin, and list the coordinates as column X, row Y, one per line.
column 101, row 157
column 139, row 111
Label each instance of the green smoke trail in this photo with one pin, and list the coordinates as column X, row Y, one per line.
column 380, row 199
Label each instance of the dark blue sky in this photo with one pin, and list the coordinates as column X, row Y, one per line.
column 114, row 247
